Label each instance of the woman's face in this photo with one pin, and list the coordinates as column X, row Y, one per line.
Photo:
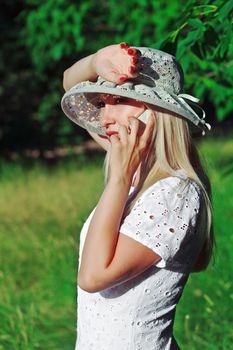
column 116, row 111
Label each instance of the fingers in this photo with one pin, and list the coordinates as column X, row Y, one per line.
column 133, row 52
column 134, row 60
column 114, row 139
column 129, row 141
column 126, row 134
column 133, row 71
column 121, row 137
column 116, row 78
column 123, row 77
column 124, row 45
column 134, row 134
column 143, row 135
column 134, row 127
column 148, row 132
column 134, row 68
column 123, row 134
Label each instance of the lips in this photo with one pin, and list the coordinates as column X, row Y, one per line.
column 110, row 133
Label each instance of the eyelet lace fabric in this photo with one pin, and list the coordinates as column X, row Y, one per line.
column 139, row 314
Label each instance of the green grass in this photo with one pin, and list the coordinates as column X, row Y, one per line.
column 42, row 209
column 204, row 315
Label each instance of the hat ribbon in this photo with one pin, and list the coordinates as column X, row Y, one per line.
column 194, row 100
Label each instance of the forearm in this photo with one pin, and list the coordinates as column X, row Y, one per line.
column 102, row 236
column 82, row 70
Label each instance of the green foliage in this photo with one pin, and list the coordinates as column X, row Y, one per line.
column 57, row 29
column 43, row 38
column 201, row 39
column 203, row 44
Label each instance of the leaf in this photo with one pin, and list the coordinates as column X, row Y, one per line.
column 226, row 10
column 169, row 45
column 203, row 10
column 185, row 44
column 196, row 23
column 210, row 43
column 225, row 44
column 56, row 51
column 197, row 50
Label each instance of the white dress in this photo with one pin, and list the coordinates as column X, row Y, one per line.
column 139, row 314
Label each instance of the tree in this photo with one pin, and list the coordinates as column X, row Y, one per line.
column 50, row 35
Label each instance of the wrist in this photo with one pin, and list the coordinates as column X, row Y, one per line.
column 121, row 182
column 93, row 64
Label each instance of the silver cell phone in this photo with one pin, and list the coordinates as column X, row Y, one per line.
column 145, row 116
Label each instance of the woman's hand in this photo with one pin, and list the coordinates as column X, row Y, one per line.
column 129, row 149
column 116, row 63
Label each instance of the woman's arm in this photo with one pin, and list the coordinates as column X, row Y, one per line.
column 105, row 261
column 82, row 70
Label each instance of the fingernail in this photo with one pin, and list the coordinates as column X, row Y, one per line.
column 130, row 51
column 124, row 45
column 123, row 78
column 132, row 69
column 134, row 59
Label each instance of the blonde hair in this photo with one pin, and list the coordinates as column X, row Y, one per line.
column 172, row 148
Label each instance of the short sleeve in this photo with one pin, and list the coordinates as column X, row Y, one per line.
column 164, row 217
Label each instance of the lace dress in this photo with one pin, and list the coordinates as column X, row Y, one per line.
column 139, row 314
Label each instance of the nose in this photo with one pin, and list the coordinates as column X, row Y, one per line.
column 106, row 117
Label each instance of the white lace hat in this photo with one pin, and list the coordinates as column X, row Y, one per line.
column 159, row 83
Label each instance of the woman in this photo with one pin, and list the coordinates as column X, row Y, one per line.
column 153, row 223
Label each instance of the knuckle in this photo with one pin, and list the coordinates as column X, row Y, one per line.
column 134, row 122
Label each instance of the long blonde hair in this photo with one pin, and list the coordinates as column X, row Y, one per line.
column 172, row 148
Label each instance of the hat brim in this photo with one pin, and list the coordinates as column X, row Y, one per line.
column 79, row 103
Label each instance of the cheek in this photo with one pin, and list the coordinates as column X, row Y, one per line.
column 125, row 112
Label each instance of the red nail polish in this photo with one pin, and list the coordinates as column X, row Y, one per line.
column 132, row 69
column 130, row 51
column 124, row 45
column 123, row 78
column 134, row 60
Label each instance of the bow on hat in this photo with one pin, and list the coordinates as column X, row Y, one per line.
column 193, row 100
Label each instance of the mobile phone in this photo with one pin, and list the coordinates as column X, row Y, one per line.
column 145, row 116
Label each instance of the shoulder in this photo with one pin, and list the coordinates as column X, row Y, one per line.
column 178, row 184
column 178, row 193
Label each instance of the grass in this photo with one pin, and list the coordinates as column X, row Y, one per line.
column 42, row 209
